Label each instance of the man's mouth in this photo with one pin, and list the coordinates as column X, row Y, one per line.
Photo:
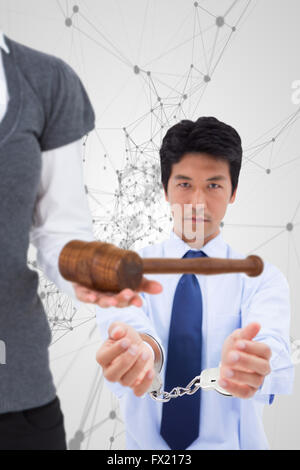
column 194, row 219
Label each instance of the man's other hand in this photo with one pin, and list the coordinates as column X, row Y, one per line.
column 245, row 362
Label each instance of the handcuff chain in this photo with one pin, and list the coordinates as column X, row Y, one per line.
column 177, row 391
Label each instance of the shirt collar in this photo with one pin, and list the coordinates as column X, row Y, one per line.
column 3, row 44
column 176, row 247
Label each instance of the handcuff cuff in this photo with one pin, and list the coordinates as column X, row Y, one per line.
column 207, row 380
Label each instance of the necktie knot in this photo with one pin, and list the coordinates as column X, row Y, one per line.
column 194, row 254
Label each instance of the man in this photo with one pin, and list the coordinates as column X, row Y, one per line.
column 239, row 322
column 44, row 113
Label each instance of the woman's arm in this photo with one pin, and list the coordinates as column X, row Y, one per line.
column 62, row 214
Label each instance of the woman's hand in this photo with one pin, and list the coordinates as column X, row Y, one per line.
column 124, row 298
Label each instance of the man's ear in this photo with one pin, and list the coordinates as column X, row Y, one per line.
column 232, row 199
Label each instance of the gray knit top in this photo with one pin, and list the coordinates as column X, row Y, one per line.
column 48, row 108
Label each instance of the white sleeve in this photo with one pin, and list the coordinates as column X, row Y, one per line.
column 270, row 306
column 61, row 211
column 4, row 93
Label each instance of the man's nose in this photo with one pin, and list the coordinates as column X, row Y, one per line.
column 198, row 198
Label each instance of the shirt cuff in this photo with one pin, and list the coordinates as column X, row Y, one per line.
column 279, row 382
column 150, row 347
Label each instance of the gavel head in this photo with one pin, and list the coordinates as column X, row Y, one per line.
column 100, row 266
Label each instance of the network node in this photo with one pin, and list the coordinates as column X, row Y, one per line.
column 79, row 436
column 68, row 22
column 220, row 21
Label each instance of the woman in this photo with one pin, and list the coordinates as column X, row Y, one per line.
column 44, row 113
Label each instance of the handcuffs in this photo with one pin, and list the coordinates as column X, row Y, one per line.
column 207, row 380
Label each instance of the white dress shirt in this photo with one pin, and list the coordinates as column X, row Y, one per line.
column 61, row 212
column 230, row 301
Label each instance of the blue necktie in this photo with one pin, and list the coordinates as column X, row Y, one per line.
column 180, row 416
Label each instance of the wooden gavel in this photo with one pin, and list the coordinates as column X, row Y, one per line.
column 105, row 267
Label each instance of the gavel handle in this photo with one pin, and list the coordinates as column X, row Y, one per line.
column 252, row 265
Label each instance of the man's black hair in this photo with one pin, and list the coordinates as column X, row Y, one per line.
column 206, row 135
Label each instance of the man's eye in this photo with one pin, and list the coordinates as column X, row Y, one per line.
column 215, row 184
column 184, row 186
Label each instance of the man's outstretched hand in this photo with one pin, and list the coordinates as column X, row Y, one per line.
column 245, row 363
column 125, row 298
column 125, row 358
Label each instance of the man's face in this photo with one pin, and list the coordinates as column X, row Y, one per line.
column 201, row 186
